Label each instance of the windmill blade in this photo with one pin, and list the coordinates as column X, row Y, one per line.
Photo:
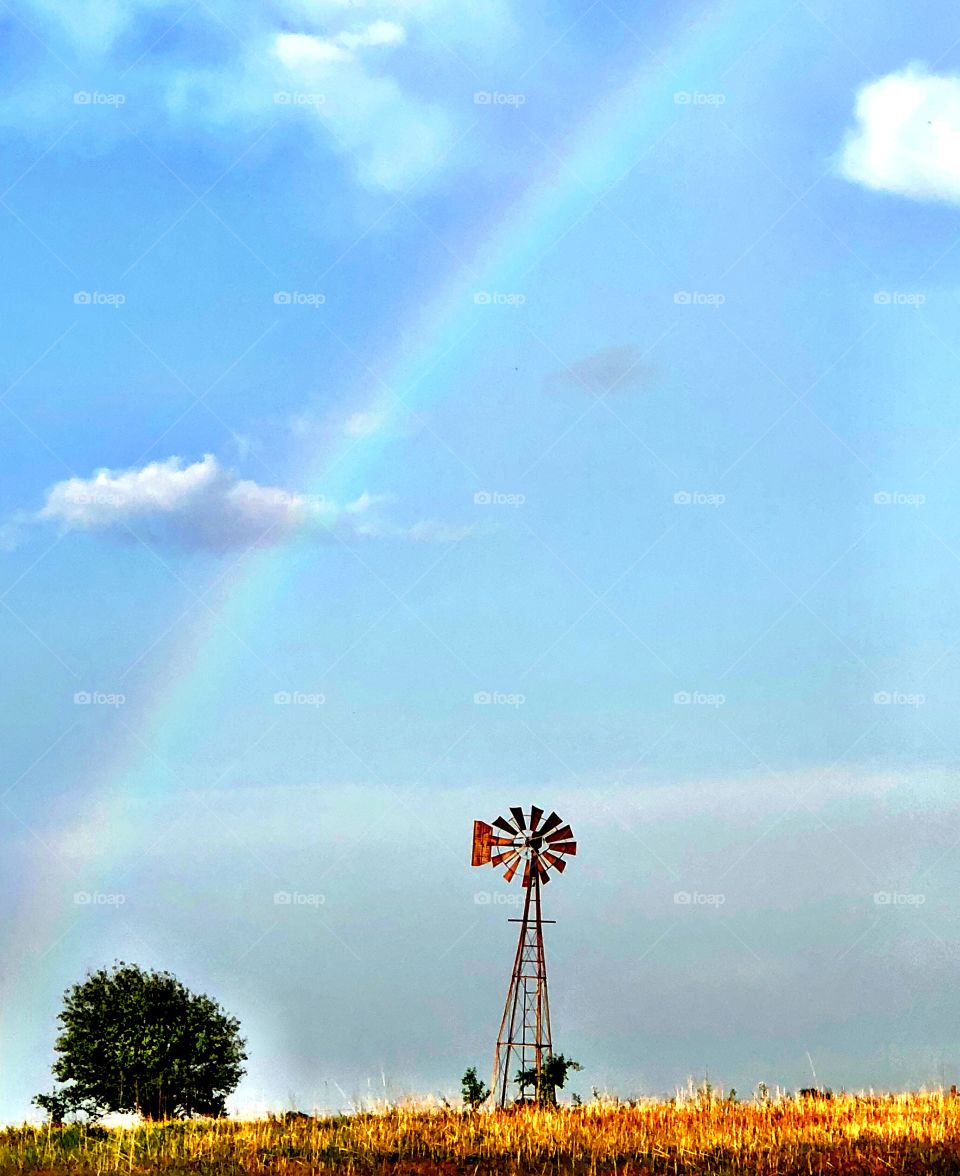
column 542, row 872
column 564, row 834
column 504, row 857
column 567, row 847
column 505, row 825
column 519, row 818
column 550, row 823
column 557, row 862
column 503, row 841
column 535, row 815
column 526, row 874
column 511, row 870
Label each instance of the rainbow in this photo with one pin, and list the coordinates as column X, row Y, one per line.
column 609, row 140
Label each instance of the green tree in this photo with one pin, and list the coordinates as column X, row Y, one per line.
column 553, row 1074
column 133, row 1040
column 473, row 1090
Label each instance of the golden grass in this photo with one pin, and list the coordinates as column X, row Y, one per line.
column 916, row 1133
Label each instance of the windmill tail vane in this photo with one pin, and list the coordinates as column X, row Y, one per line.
column 524, row 844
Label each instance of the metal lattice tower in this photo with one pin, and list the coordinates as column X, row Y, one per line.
column 524, row 1040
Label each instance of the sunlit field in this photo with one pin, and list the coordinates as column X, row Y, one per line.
column 913, row 1133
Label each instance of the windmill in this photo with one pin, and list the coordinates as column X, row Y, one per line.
column 522, row 842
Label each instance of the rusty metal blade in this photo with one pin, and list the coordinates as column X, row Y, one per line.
column 557, row 862
column 511, row 870
column 505, row 825
column 503, row 840
column 504, row 857
column 564, row 834
column 519, row 817
column 526, row 874
column 535, row 815
column 566, row 847
column 542, row 871
column 481, row 843
column 550, row 823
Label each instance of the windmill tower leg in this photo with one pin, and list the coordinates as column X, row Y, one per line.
column 524, row 1040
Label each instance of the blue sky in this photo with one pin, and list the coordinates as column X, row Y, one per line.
column 379, row 356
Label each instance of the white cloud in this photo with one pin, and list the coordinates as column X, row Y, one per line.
column 206, row 506
column 363, row 424
column 907, row 138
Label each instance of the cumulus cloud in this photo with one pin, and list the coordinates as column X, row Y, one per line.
column 907, row 137
column 206, row 506
column 610, row 370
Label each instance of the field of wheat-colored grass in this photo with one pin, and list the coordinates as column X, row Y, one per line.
column 915, row 1133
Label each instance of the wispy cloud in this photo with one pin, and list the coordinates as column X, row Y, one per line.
column 611, row 370
column 344, row 75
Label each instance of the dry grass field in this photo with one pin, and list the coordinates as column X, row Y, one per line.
column 915, row 1133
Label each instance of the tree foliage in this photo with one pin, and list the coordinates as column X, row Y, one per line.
column 474, row 1092
column 136, row 1040
column 553, row 1074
